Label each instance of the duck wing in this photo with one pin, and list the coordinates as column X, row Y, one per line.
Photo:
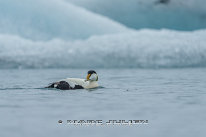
column 68, row 84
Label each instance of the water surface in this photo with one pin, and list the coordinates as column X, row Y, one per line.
column 172, row 100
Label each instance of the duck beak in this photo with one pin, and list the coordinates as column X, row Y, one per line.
column 88, row 76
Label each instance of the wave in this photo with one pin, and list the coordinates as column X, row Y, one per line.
column 132, row 49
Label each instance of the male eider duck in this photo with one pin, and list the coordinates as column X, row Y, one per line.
column 76, row 83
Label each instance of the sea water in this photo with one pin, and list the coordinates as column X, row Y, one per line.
column 165, row 86
column 171, row 100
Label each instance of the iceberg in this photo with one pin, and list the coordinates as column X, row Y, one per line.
column 58, row 34
column 132, row 49
column 46, row 20
column 156, row 14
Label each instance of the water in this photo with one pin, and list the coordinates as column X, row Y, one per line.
column 41, row 34
column 172, row 100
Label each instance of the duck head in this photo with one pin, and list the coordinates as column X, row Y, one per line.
column 92, row 75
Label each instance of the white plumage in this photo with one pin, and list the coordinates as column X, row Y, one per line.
column 82, row 82
column 77, row 83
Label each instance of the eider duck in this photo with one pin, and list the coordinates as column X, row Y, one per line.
column 76, row 83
